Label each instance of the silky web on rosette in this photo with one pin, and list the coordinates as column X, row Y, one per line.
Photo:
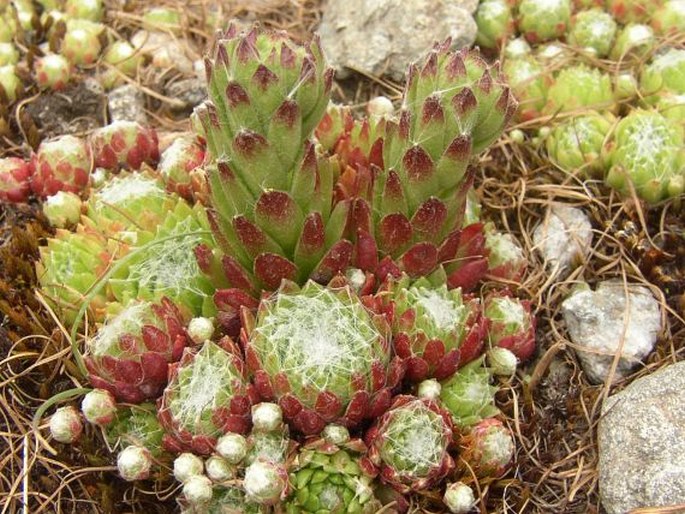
column 207, row 396
column 408, row 445
column 435, row 329
column 130, row 354
column 321, row 354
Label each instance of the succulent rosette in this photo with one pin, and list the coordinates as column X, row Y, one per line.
column 517, row 48
column 15, row 176
column 468, row 396
column 321, row 354
column 270, row 196
column 664, row 75
column 594, row 30
column 455, row 105
column 579, row 87
column 130, row 202
column 356, row 144
column 207, row 396
column 61, row 164
column 634, row 40
column 165, row 264
column 271, row 446
column 178, row 164
column 512, row 325
column 435, row 329
column 576, row 143
column 506, row 259
column 669, row 19
column 542, row 21
column 530, row 83
column 123, row 59
column 81, row 46
column 124, row 145
column 488, row 447
column 633, row 11
column 52, row 71
column 10, row 84
column 137, row 425
column 408, row 445
column 70, row 265
column 328, row 478
column 646, row 152
column 495, row 23
column 130, row 354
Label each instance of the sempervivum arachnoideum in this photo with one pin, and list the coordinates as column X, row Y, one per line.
column 327, row 477
column 207, row 396
column 137, row 425
column 506, row 259
column 435, row 329
column 529, row 82
column 495, row 23
column 15, row 176
column 593, row 30
column 512, row 325
column 468, row 396
column 542, row 21
column 178, row 164
column 124, row 145
column 130, row 202
column 408, row 445
column 662, row 83
column 646, row 152
column 575, row 145
column 634, row 40
column 130, row 354
column 165, row 264
column 670, row 18
column 61, row 164
column 321, row 354
column 70, row 265
column 579, row 87
column 226, row 499
column 488, row 447
column 626, row 11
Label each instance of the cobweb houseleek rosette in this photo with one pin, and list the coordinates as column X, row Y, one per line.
column 327, row 477
column 321, row 355
column 495, row 23
column 542, row 21
column 15, row 176
column 208, row 395
column 63, row 163
column 165, row 263
column 468, row 396
column 646, row 152
column 129, row 202
column 435, row 329
column 408, row 445
column 130, row 353
column 575, row 145
column 511, row 322
column 124, row 145
column 488, row 447
column 579, row 87
column 70, row 265
column 529, row 82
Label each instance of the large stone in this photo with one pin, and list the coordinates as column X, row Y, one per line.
column 384, row 36
column 563, row 238
column 616, row 318
column 641, row 443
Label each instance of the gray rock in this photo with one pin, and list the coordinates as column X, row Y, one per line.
column 607, row 321
column 127, row 103
column 641, row 443
column 190, row 92
column 563, row 238
column 385, row 36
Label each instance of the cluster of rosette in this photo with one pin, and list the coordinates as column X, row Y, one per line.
column 342, row 268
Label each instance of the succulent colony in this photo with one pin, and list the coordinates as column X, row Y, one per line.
column 308, row 338
column 617, row 120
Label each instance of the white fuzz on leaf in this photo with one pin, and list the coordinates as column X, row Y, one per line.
column 459, row 498
column 198, row 489
column 266, row 417
column 187, row 465
column 200, row 329
column 99, row 407
column 429, row 389
column 134, row 463
column 66, row 425
column 232, row 447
